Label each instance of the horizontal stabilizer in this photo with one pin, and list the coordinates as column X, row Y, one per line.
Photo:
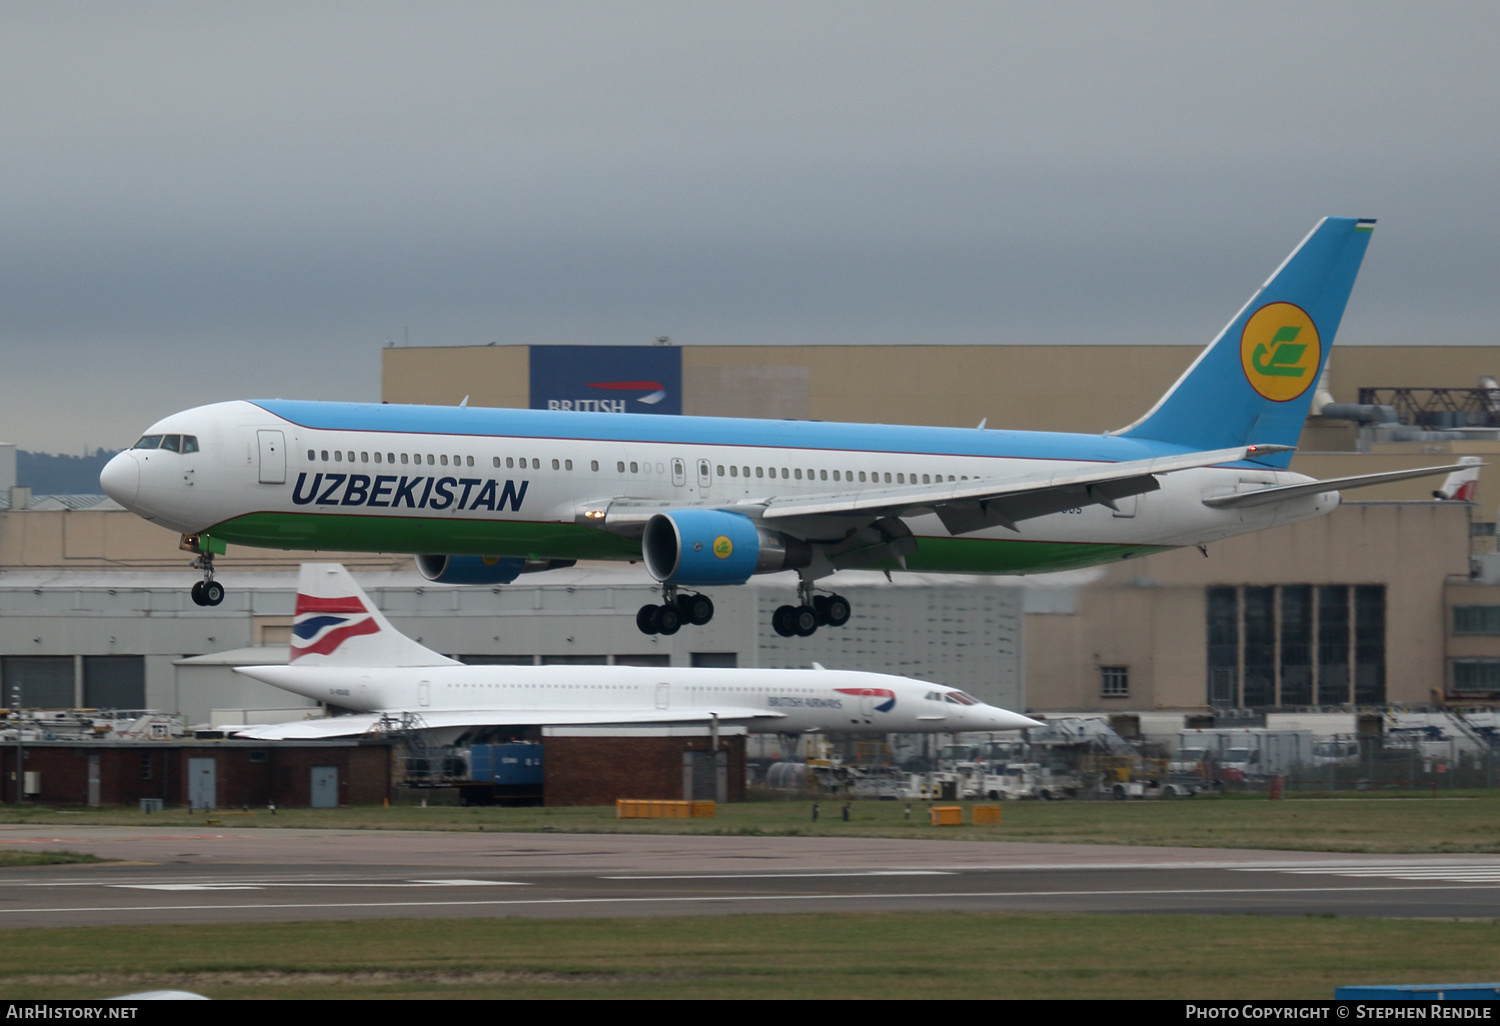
column 1279, row 493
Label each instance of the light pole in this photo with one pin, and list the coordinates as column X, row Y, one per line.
column 20, row 748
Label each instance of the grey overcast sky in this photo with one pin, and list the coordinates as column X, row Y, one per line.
column 206, row 201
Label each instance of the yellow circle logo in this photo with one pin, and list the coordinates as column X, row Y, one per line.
column 1280, row 351
column 723, row 547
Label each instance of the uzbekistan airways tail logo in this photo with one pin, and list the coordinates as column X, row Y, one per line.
column 873, row 693
column 1280, row 351
column 323, row 624
column 657, row 390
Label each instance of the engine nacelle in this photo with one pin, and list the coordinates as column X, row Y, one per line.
column 470, row 569
column 708, row 546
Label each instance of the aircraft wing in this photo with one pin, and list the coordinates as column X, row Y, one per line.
column 1278, row 493
column 370, row 723
column 966, row 506
column 963, row 506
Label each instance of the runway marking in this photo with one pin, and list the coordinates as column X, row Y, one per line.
column 727, row 899
column 249, row 886
column 1459, row 874
column 90, row 840
column 789, row 876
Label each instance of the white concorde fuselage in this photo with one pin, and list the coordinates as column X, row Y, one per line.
column 779, row 701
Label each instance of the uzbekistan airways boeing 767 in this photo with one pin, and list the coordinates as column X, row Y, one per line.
column 345, row 653
column 480, row 496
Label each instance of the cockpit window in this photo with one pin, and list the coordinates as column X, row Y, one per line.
column 959, row 698
column 171, row 443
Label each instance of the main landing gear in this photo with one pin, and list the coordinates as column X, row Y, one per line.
column 814, row 612
column 676, row 609
column 207, row 592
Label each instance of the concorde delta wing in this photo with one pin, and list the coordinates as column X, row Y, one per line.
column 968, row 506
column 367, row 723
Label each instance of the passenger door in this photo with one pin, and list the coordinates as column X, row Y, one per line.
column 272, row 456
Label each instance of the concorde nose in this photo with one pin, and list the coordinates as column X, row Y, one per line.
column 1004, row 719
column 121, row 478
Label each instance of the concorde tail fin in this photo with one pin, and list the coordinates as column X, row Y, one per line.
column 1254, row 383
column 336, row 624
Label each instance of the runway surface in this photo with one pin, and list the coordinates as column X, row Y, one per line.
column 216, row 874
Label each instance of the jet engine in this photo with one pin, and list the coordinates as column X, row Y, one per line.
column 470, row 569
column 707, row 546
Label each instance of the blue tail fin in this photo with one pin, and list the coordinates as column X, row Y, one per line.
column 1254, row 383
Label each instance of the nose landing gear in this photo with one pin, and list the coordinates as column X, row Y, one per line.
column 207, row 592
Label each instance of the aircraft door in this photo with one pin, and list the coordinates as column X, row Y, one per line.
column 272, row 456
column 705, row 476
column 679, row 472
column 424, row 693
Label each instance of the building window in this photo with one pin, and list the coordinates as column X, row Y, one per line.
column 1476, row 619
column 1476, row 675
column 1297, row 645
column 1114, row 681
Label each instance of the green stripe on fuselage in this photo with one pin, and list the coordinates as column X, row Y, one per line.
column 529, row 540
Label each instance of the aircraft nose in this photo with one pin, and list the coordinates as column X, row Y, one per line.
column 1004, row 719
column 121, row 478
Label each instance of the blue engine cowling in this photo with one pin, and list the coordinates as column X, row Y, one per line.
column 708, row 546
column 470, row 569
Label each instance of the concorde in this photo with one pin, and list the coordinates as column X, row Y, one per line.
column 480, row 496
column 346, row 654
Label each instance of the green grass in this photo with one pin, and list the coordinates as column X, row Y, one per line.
column 886, row 955
column 45, row 858
column 1455, row 822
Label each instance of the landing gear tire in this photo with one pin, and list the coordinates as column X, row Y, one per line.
column 695, row 609
column 197, row 593
column 668, row 620
column 837, row 610
column 212, row 592
column 648, row 619
column 804, row 621
column 781, row 621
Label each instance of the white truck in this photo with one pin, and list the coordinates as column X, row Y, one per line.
column 1244, row 753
